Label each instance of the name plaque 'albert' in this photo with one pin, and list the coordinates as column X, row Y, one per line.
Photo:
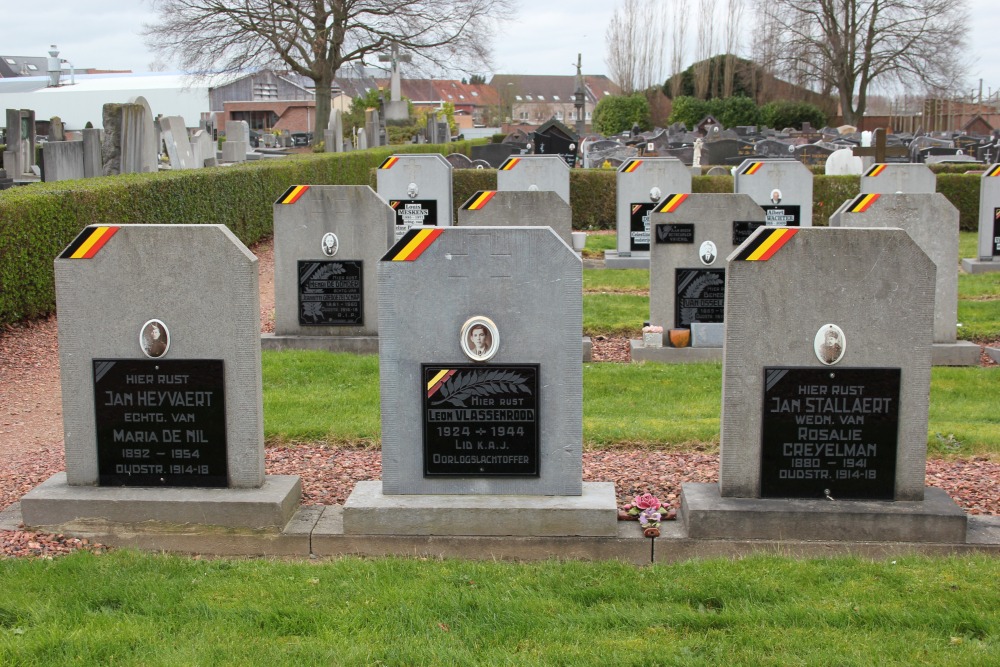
column 330, row 293
column 160, row 422
column 783, row 215
column 480, row 420
column 830, row 432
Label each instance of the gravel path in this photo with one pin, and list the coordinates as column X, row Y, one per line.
column 31, row 441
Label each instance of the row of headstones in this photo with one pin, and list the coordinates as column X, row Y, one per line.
column 481, row 385
column 374, row 133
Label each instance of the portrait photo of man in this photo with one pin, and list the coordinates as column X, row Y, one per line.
column 479, row 338
column 775, row 196
column 153, row 339
column 829, row 344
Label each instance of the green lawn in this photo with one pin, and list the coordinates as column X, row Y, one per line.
column 126, row 608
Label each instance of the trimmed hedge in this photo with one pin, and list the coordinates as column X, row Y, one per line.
column 37, row 222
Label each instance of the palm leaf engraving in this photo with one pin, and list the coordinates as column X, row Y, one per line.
column 462, row 386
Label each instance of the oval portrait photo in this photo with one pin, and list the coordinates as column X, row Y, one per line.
column 154, row 339
column 480, row 339
column 830, row 344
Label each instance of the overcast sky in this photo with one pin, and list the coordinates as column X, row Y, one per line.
column 544, row 39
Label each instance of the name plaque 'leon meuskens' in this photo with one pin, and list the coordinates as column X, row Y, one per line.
column 830, row 432
column 330, row 293
column 481, row 421
column 160, row 422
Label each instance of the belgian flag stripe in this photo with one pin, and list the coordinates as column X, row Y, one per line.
column 766, row 244
column 876, row 170
column 994, row 170
column 389, row 162
column 670, row 203
column 412, row 245
column 752, row 168
column 510, row 163
column 631, row 166
column 479, row 200
column 862, row 203
column 292, row 194
column 88, row 242
column 443, row 376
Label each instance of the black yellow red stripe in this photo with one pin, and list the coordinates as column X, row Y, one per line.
column 993, row 171
column 636, row 208
column 670, row 203
column 631, row 166
column 763, row 247
column 862, row 203
column 389, row 162
column 751, row 169
column 435, row 382
column 876, row 170
column 89, row 242
column 292, row 194
column 412, row 245
column 395, row 203
column 478, row 200
column 509, row 163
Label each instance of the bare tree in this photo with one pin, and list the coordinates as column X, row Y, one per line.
column 315, row 37
column 678, row 33
column 847, row 45
column 734, row 25
column 704, row 48
column 634, row 40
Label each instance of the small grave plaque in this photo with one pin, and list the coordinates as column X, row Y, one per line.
column 160, row 422
column 742, row 229
column 675, row 233
column 996, row 232
column 480, row 421
column 639, row 225
column 783, row 215
column 829, row 432
column 330, row 293
column 410, row 212
column 701, row 296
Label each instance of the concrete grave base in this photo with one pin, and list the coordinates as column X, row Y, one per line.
column 707, row 515
column 959, row 353
column 972, row 265
column 368, row 511
column 352, row 344
column 674, row 355
column 54, row 504
column 612, row 260
column 993, row 353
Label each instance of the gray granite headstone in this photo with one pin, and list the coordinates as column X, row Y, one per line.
column 692, row 234
column 203, row 149
column 932, row 221
column 140, row 144
column 529, row 283
column 877, row 287
column 536, row 172
column 235, row 147
column 19, row 156
column 63, row 160
column 783, row 188
column 988, row 257
column 641, row 183
column 175, row 138
column 91, row 152
column 843, row 162
column 893, row 177
column 419, row 190
column 492, row 208
column 328, row 240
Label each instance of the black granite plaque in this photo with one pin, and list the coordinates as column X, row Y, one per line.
column 782, row 215
column 160, row 423
column 742, row 229
column 996, row 232
column 410, row 212
column 675, row 233
column 639, row 225
column 330, row 293
column 829, row 431
column 480, row 421
column 700, row 296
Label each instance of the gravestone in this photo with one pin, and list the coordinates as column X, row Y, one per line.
column 62, row 160
column 419, row 190
column 932, row 221
column 19, row 155
column 236, row 146
column 481, row 392
column 988, row 259
column 535, row 172
column 813, row 155
column 554, row 138
column 720, row 151
column 459, row 161
column 843, row 162
column 372, row 126
column 641, row 183
column 333, row 137
column 161, row 384
column 494, row 154
column 783, row 188
column 92, row 152
column 203, row 149
column 175, row 138
column 825, row 392
column 692, row 235
column 327, row 242
column 362, row 139
column 140, row 141
column 493, row 208
column 890, row 178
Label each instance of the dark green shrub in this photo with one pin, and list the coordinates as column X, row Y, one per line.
column 780, row 115
column 617, row 114
column 688, row 110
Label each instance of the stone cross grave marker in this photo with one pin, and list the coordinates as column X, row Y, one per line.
column 161, row 383
column 890, row 178
column 492, row 208
column 826, row 383
column 692, row 234
column 535, row 172
column 988, row 258
column 419, row 190
column 481, row 392
column 932, row 221
column 641, row 184
column 327, row 243
column 879, row 150
column 783, row 188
